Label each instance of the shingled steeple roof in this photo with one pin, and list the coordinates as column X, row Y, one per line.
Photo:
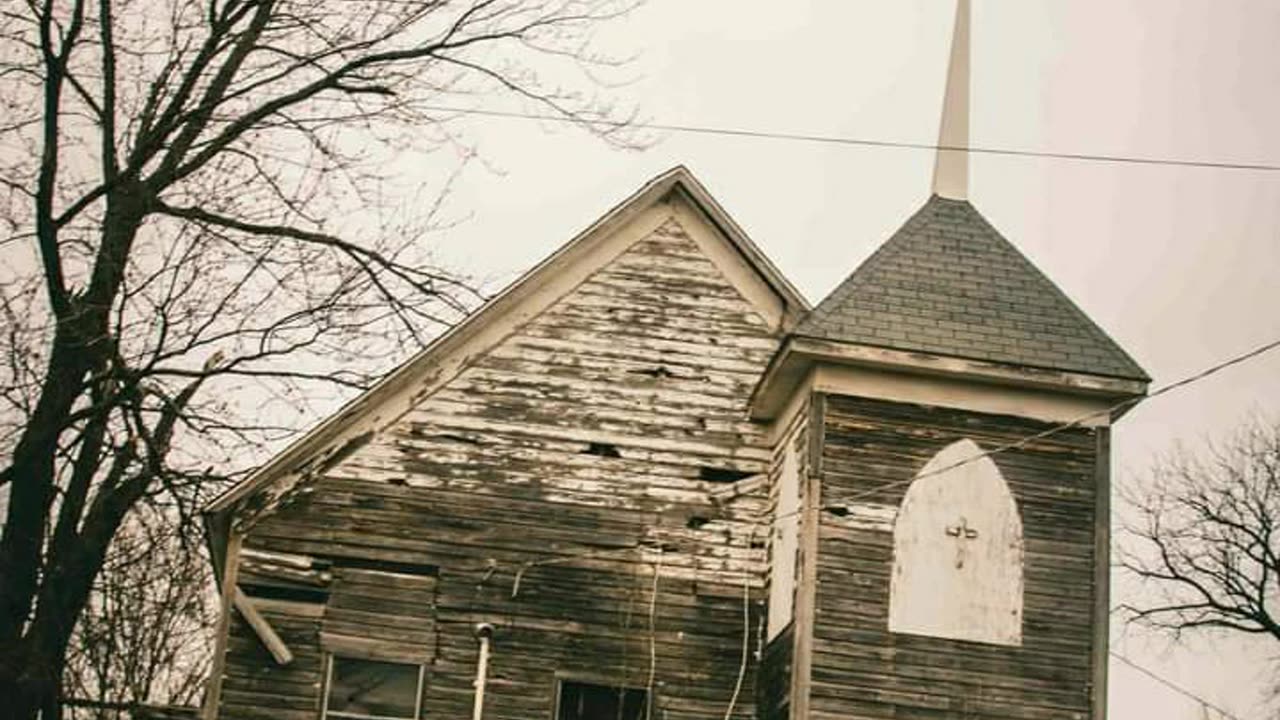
column 948, row 283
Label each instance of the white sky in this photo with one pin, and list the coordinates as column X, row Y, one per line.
column 1178, row 264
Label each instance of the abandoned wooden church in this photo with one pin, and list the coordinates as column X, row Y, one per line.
column 649, row 481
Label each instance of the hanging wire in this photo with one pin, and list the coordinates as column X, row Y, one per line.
column 653, row 637
column 746, row 636
column 1174, row 686
column 854, row 141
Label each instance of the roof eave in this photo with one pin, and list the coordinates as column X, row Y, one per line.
column 800, row 353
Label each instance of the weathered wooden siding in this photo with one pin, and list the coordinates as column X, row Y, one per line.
column 773, row 685
column 592, row 437
column 871, row 450
column 254, row 687
column 775, row 680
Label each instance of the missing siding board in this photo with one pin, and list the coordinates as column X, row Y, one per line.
column 722, row 475
column 399, row 568
column 601, row 450
column 290, row 594
column 658, row 372
column 454, row 437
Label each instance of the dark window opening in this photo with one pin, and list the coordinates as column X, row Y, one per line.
column 584, row 701
column 722, row 475
column 602, row 449
column 362, row 689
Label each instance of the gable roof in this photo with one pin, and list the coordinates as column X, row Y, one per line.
column 948, row 283
column 673, row 193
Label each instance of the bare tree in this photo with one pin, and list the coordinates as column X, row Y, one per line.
column 142, row 638
column 204, row 236
column 1205, row 538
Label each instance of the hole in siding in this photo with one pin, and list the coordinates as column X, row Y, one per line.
column 837, row 510
column 722, row 475
column 757, row 544
column 388, row 566
column 398, row 481
column 460, row 438
column 281, row 592
column 660, row 371
column 697, row 521
column 602, row 450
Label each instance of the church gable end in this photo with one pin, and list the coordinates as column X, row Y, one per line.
column 542, row 488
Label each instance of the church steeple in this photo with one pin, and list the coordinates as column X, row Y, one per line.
column 951, row 169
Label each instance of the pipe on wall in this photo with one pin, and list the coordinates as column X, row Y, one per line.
column 484, row 632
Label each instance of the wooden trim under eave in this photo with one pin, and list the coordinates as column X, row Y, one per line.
column 213, row 689
column 1101, row 574
column 1050, row 395
column 806, row 590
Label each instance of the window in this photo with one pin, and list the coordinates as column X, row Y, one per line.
column 372, row 689
column 957, row 552
column 583, row 701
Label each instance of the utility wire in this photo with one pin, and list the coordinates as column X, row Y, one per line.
column 860, row 142
column 1174, row 686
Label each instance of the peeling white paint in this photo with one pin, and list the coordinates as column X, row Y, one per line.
column 957, row 552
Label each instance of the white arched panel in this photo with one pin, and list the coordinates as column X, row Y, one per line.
column 957, row 552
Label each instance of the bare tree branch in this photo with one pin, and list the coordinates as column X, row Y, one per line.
column 206, row 249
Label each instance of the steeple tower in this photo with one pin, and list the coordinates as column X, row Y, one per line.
column 926, row 560
column 951, row 168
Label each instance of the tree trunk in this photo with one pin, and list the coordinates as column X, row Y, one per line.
column 29, row 684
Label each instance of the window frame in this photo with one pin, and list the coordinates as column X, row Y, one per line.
column 326, row 713
column 596, row 680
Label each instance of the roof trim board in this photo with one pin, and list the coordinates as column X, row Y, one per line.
column 800, row 356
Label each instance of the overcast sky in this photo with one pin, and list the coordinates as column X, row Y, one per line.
column 1179, row 265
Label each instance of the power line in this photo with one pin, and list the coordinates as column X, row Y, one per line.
column 853, row 141
column 1174, row 686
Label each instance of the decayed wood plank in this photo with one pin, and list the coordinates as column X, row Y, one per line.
column 1102, row 576
column 230, row 565
column 270, row 640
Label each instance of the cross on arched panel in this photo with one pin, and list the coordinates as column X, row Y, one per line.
column 957, row 552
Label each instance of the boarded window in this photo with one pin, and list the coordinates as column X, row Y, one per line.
column 363, row 689
column 379, row 615
column 782, row 566
column 584, row 701
column 957, row 552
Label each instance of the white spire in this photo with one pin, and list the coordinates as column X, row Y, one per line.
column 951, row 170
